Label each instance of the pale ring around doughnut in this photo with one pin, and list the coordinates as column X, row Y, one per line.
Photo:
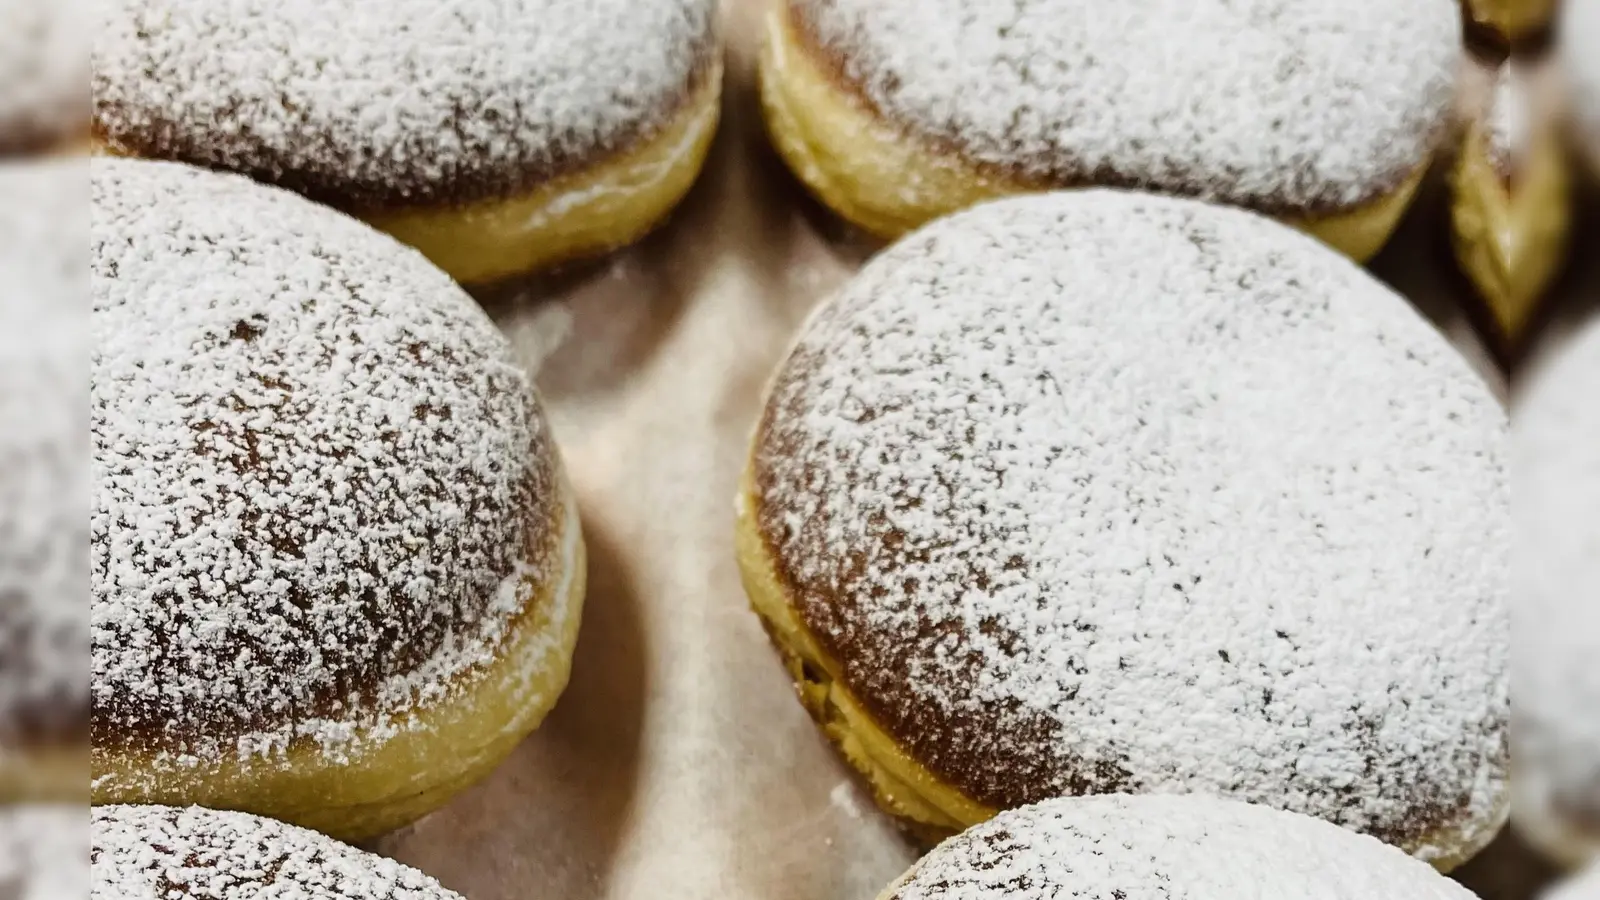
column 577, row 216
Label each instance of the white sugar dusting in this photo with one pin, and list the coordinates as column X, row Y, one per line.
column 44, row 65
column 1167, row 848
column 1557, row 560
column 44, row 486
column 1290, row 104
column 1580, row 35
column 320, row 480
column 414, row 95
column 1197, row 494
column 161, row 853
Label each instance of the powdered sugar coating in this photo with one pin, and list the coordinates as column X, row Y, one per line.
column 44, row 64
column 407, row 101
column 1558, row 581
column 323, row 489
column 1580, row 35
column 1096, row 492
column 1167, row 848
column 1281, row 105
column 162, row 853
column 44, row 485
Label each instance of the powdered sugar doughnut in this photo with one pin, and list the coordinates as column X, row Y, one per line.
column 1323, row 114
column 497, row 137
column 1580, row 34
column 44, row 64
column 156, row 853
column 1558, row 602
column 336, row 571
column 1101, row 492
column 1174, row 848
column 44, row 486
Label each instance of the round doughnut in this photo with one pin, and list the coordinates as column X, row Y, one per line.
column 496, row 137
column 336, row 571
column 1512, row 20
column 1174, row 848
column 1510, row 209
column 1324, row 115
column 44, row 64
column 1032, row 514
column 44, row 486
column 158, row 852
column 1580, row 34
column 1558, row 604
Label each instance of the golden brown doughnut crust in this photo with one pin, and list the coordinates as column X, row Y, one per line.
column 333, row 557
column 1025, row 165
column 168, row 140
column 877, row 525
column 358, row 466
column 888, row 177
column 152, row 103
